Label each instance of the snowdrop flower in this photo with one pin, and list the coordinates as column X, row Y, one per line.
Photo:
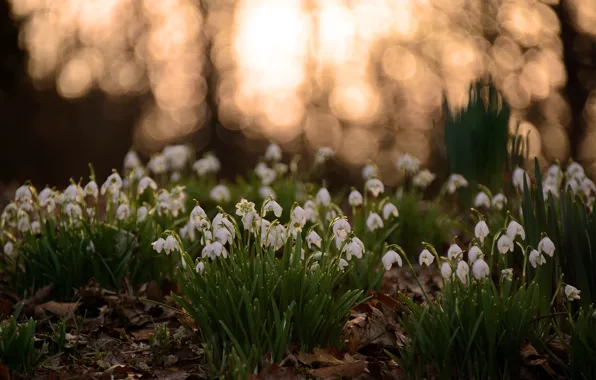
column 547, row 246
column 311, row 211
column 482, row 200
column 44, row 196
column 330, row 215
column 23, row 194
column 267, row 175
column 146, row 183
column 514, row 228
column 507, row 274
column 200, row 268
column 554, row 171
column 222, row 222
column 142, row 213
column 499, row 201
column 9, row 249
column 26, row 207
column 199, row 217
column 572, row 293
column 575, row 170
column 354, row 248
column 375, row 186
column 374, row 222
column 73, row 193
column 9, row 215
column 266, row 192
column 273, row 153
column 280, row 168
column 277, row 236
column 536, row 258
column 480, row 269
column 158, row 164
column 271, row 205
column 463, row 270
column 408, row 163
column 223, row 235
column 177, row 156
column 446, row 270
column 123, row 212
column 171, row 244
column 24, row 224
column 455, row 181
column 297, row 220
column 355, row 198
column 587, row 186
column 391, row 257
column 220, row 194
column 131, row 160
column 390, row 210
column 518, row 178
column 313, row 239
column 550, row 189
column 242, row 208
column 481, row 231
column 112, row 185
column 426, row 258
column 323, row 154
column 341, row 229
column 423, row 178
column 455, row 253
column 91, row 189
column 369, row 171
column 158, row 245
column 342, row 264
column 208, row 164
column 505, row 244
column 214, row 250
column 73, row 210
column 323, row 197
column 474, row 253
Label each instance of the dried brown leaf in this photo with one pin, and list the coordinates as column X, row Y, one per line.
column 342, row 370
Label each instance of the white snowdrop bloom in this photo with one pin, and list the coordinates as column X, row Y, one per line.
column 220, row 194
column 9, row 249
column 73, row 193
column 271, row 205
column 223, row 235
column 375, row 186
column 123, row 212
column 323, row 197
column 505, row 244
column 572, row 293
column 131, row 160
column 481, row 231
column 163, row 208
column 408, row 163
column 273, row 153
column 342, row 264
column 44, row 196
column 499, row 201
column 26, row 207
column 587, row 186
column 391, row 257
column 91, row 189
column 142, row 213
column 146, row 183
column 266, row 192
column 463, row 270
column 455, row 253
column 536, row 258
column 507, row 274
column 374, row 221
column 482, row 200
column 297, row 220
column 250, row 221
column 518, row 178
column 456, row 181
column 554, row 171
column 177, row 156
column 277, row 236
column 355, row 198
column 170, row 245
column 214, row 250
column 311, row 211
column 369, row 171
column 9, row 215
column 323, row 154
column 575, row 170
column 547, row 246
column 316, row 255
column 73, row 210
column 158, row 245
column 242, row 208
column 423, row 179
column 198, row 217
column 267, row 176
column 389, row 210
column 480, row 269
column 206, row 165
column 330, row 215
column 551, row 181
column 426, row 258
column 550, row 189
column 355, row 247
column 446, row 270
column 175, row 177
column 474, row 253
column 341, row 228
column 112, row 185
column 200, row 268
column 222, row 222
column 514, row 229
column 206, row 237
column 264, row 228
column 280, row 168
column 313, row 239
column 158, row 164
column 23, row 194
column 138, row 173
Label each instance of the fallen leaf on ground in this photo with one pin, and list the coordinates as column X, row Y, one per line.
column 57, row 308
column 342, row 370
column 372, row 329
column 143, row 334
column 318, row 356
column 532, row 358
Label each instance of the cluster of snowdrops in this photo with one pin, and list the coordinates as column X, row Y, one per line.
column 273, row 261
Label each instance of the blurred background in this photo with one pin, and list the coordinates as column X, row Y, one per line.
column 84, row 80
